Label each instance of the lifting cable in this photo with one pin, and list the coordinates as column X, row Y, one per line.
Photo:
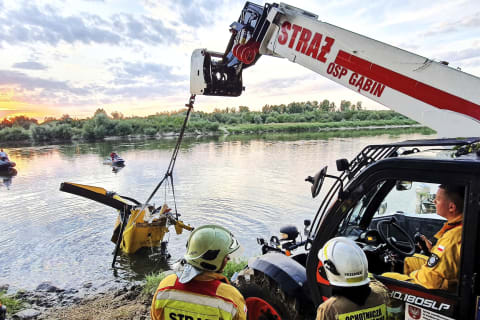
column 169, row 173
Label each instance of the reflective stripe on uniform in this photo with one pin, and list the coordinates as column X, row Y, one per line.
column 375, row 313
column 195, row 302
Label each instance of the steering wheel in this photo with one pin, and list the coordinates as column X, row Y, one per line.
column 391, row 241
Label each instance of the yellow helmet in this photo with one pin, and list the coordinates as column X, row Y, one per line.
column 208, row 246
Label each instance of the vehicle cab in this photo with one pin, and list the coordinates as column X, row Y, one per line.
column 382, row 199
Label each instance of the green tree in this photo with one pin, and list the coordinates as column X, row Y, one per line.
column 345, row 105
column 243, row 109
column 117, row 115
column 99, row 111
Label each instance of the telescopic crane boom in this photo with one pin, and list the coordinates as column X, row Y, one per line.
column 430, row 92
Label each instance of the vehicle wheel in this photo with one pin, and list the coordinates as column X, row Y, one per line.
column 264, row 299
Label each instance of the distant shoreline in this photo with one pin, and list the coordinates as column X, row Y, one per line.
column 329, row 128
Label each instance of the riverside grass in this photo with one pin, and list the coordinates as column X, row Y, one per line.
column 11, row 302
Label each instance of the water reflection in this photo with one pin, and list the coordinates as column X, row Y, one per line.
column 116, row 169
column 6, row 181
column 251, row 186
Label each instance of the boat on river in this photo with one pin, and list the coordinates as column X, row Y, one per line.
column 114, row 160
column 7, row 167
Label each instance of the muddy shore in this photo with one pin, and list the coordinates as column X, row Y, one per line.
column 50, row 302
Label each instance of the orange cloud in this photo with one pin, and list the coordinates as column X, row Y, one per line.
column 12, row 105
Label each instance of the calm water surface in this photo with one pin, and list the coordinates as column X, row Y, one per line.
column 251, row 186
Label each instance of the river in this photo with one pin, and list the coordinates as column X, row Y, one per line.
column 251, row 185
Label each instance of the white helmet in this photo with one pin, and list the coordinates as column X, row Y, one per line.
column 345, row 263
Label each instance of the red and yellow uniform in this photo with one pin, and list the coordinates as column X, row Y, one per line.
column 209, row 296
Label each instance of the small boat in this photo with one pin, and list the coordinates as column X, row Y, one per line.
column 7, row 167
column 114, row 160
column 117, row 161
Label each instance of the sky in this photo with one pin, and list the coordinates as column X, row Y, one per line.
column 133, row 56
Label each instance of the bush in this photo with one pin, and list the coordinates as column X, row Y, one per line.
column 88, row 131
column 124, row 128
column 62, row 131
column 14, row 134
column 213, row 126
column 42, row 133
column 271, row 119
column 100, row 132
column 150, row 131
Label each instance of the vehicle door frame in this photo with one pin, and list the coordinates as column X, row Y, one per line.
column 421, row 171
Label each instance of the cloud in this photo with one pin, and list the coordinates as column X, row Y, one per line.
column 472, row 21
column 30, row 65
column 15, row 78
column 198, row 13
column 126, row 72
column 459, row 55
column 145, row 29
column 47, row 25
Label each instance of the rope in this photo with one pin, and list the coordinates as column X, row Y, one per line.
column 171, row 165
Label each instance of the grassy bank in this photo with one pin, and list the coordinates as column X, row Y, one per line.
column 301, row 117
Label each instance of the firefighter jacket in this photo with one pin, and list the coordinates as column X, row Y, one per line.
column 341, row 308
column 209, row 296
column 442, row 267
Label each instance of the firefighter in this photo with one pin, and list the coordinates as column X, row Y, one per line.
column 440, row 270
column 353, row 295
column 200, row 291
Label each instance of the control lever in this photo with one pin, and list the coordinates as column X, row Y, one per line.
column 418, row 239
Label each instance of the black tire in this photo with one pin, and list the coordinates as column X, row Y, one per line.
column 255, row 284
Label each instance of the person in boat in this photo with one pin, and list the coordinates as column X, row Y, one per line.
column 113, row 155
column 200, row 291
column 354, row 296
column 440, row 270
column 3, row 155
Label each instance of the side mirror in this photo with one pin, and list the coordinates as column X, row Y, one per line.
column 342, row 164
column 289, row 233
column 317, row 181
column 403, row 185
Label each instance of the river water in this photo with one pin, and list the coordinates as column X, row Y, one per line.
column 251, row 185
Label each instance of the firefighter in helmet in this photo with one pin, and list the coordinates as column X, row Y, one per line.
column 353, row 294
column 200, row 291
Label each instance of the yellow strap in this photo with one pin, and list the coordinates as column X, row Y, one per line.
column 375, row 313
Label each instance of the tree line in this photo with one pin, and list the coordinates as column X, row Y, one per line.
column 102, row 125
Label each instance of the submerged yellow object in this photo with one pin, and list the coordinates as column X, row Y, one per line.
column 143, row 228
column 146, row 230
column 139, row 233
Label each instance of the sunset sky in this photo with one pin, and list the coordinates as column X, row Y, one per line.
column 133, row 56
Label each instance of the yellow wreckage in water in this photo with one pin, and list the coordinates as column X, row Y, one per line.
column 135, row 228
column 146, row 230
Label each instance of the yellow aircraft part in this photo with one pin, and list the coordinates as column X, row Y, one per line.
column 139, row 233
column 179, row 226
column 99, row 190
